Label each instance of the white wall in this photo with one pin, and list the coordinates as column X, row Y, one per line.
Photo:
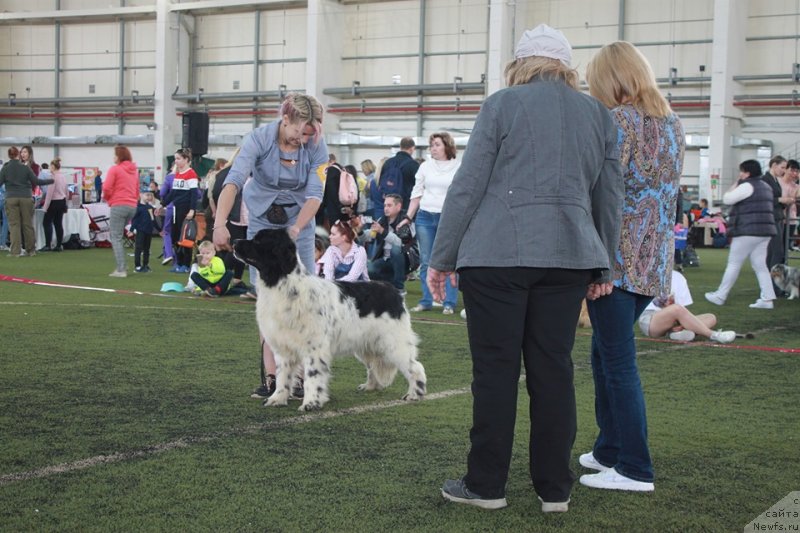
column 361, row 33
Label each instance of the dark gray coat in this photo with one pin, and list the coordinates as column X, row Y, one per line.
column 540, row 185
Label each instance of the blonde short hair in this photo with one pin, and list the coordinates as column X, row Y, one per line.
column 523, row 70
column 620, row 74
column 205, row 245
column 303, row 108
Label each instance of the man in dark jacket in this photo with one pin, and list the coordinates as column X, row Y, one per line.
column 388, row 262
column 404, row 160
column 777, row 167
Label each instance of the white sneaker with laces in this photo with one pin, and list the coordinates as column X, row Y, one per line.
column 715, row 298
column 613, row 480
column 723, row 337
column 587, row 460
column 684, row 335
column 762, row 304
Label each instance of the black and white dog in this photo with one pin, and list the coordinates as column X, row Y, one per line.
column 308, row 321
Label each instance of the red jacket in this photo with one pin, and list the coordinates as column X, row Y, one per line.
column 121, row 186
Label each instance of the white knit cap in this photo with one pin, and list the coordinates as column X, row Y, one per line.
column 544, row 41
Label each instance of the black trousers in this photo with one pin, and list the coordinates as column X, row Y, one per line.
column 142, row 250
column 221, row 287
column 183, row 256
column 527, row 314
column 54, row 216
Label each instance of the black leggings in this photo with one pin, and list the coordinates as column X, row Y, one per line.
column 183, row 256
column 54, row 217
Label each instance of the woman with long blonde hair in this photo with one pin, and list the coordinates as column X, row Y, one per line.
column 651, row 145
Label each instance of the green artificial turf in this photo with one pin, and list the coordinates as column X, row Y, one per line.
column 159, row 385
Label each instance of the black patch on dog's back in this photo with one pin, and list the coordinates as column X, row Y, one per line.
column 372, row 297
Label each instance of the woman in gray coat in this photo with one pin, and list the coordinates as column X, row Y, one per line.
column 540, row 181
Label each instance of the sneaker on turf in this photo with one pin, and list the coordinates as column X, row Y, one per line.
column 723, row 337
column 715, row 298
column 166, row 261
column 587, row 460
column 554, row 507
column 762, row 304
column 447, row 310
column 419, row 308
column 684, row 335
column 613, row 480
column 118, row 274
column 456, row 490
column 265, row 390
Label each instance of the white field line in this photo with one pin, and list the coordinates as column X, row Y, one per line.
column 116, row 306
column 185, row 442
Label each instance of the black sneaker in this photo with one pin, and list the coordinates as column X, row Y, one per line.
column 298, row 392
column 456, row 490
column 265, row 390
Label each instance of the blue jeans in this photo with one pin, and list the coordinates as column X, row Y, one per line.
column 426, row 224
column 392, row 270
column 619, row 400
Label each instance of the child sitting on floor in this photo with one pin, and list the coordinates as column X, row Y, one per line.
column 669, row 316
column 211, row 277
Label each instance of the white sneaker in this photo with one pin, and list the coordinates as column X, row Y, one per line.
column 684, row 335
column 762, row 304
column 715, row 299
column 613, row 480
column 464, row 314
column 587, row 460
column 447, row 310
column 419, row 309
column 118, row 274
column 166, row 261
column 554, row 507
column 723, row 337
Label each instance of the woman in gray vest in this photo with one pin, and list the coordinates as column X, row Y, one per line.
column 752, row 225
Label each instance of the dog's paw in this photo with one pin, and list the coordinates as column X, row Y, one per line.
column 310, row 406
column 412, row 397
column 276, row 401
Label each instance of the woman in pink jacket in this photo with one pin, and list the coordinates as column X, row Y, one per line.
column 121, row 192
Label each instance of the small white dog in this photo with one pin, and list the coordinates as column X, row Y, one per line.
column 308, row 321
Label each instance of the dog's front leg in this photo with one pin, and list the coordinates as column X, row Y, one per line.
column 284, row 371
column 315, row 386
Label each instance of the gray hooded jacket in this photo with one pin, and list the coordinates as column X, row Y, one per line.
column 540, row 185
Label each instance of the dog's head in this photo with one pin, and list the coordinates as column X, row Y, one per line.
column 779, row 273
column 272, row 252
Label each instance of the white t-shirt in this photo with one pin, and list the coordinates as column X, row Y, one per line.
column 432, row 181
column 680, row 289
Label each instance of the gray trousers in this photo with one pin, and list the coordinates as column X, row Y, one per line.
column 118, row 217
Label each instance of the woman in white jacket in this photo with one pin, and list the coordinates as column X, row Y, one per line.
column 427, row 198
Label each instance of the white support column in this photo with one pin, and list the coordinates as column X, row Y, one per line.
column 172, row 69
column 725, row 121
column 324, row 53
column 501, row 42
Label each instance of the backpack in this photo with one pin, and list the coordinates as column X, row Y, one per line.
column 348, row 190
column 390, row 181
column 188, row 233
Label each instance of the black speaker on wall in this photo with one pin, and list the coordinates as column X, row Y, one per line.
column 195, row 133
